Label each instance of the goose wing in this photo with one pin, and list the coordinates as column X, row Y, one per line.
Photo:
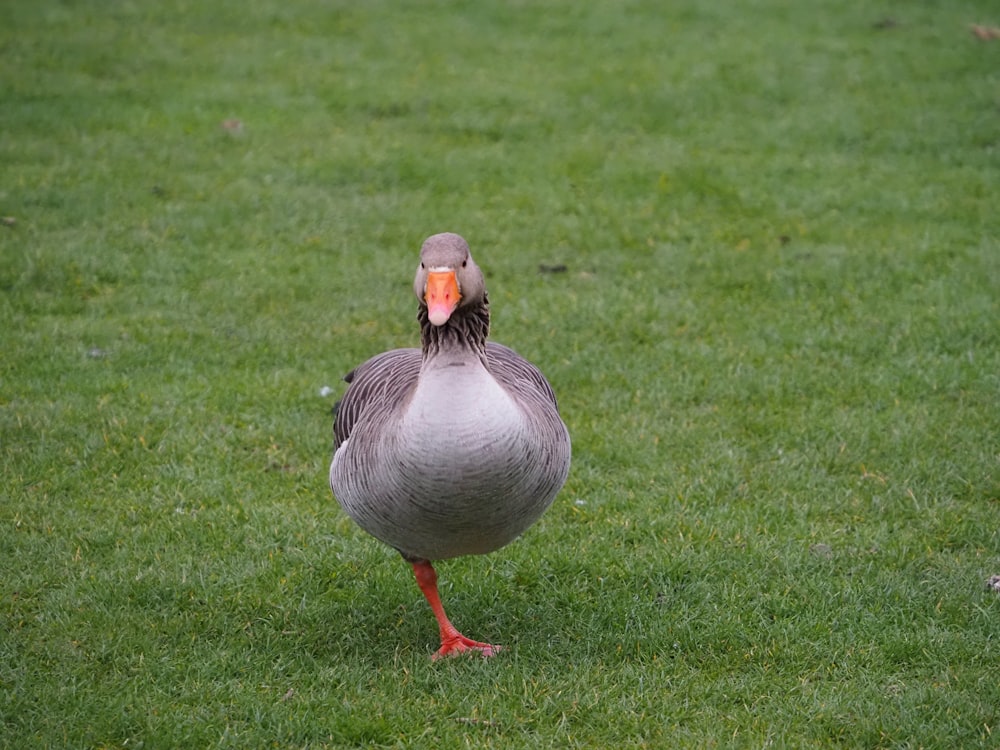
column 520, row 378
column 377, row 386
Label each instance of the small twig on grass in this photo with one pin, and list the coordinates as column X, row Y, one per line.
column 985, row 33
column 865, row 474
column 475, row 721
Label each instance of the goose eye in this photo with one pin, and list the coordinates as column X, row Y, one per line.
column 464, row 263
column 422, row 264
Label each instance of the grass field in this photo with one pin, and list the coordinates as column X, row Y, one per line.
column 776, row 343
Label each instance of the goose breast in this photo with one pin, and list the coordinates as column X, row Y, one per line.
column 465, row 464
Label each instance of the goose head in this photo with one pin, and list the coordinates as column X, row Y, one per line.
column 447, row 278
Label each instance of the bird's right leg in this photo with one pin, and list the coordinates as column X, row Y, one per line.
column 452, row 642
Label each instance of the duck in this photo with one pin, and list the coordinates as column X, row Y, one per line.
column 452, row 449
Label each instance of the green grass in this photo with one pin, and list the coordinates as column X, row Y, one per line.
column 776, row 345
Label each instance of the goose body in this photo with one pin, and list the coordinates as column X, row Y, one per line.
column 452, row 449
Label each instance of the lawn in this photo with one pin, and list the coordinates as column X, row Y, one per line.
column 754, row 246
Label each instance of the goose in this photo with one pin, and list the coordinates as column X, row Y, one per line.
column 452, row 449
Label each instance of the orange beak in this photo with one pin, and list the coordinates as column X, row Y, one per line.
column 441, row 295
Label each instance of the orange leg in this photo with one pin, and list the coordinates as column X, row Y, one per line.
column 452, row 642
